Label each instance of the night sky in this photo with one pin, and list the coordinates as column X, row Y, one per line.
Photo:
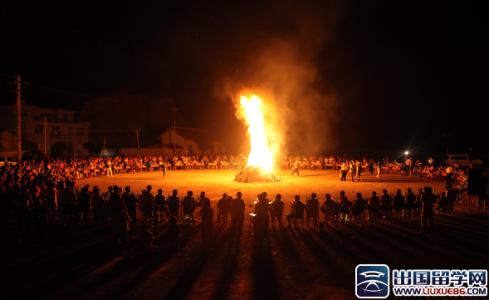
column 403, row 74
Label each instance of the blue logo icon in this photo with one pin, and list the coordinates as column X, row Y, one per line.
column 372, row 281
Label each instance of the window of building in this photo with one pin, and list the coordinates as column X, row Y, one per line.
column 38, row 129
column 56, row 131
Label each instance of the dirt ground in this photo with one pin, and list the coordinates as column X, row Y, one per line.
column 216, row 182
column 299, row 263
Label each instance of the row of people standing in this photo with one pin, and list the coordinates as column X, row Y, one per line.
column 409, row 205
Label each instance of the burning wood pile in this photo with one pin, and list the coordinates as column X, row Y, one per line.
column 253, row 174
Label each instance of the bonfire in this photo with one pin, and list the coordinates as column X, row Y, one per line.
column 261, row 159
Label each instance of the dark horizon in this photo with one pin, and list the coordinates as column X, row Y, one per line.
column 391, row 76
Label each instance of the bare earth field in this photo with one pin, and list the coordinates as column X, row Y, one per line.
column 301, row 263
column 216, row 182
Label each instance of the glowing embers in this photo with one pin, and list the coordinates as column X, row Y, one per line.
column 252, row 174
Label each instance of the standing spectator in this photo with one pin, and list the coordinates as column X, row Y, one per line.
column 131, row 204
column 358, row 208
column 188, row 206
column 345, row 206
column 98, row 206
column 222, row 209
column 329, row 209
column 84, row 203
column 206, row 214
column 159, row 205
column 68, row 204
column 353, row 170
column 148, row 204
column 295, row 168
column 419, row 203
column 110, row 172
column 120, row 220
column 373, row 207
column 399, row 203
column 237, row 212
column 427, row 214
column 443, row 203
column 343, row 171
column 262, row 210
column 451, row 199
column 386, row 204
column 174, row 204
column 312, row 210
column 277, row 209
column 410, row 202
column 358, row 169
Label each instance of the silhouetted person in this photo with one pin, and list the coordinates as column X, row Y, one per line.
column 261, row 217
column 373, row 207
column 427, row 214
column 295, row 168
column 174, row 204
column 277, row 209
column 451, row 199
column 329, row 209
column 237, row 212
column 386, row 204
column 84, row 204
column 159, row 205
column 188, row 206
column 222, row 209
column 419, row 203
column 410, row 202
column 296, row 212
column 358, row 169
column 131, row 204
column 69, row 204
column 399, row 203
column 148, row 204
column 345, row 206
column 312, row 210
column 358, row 208
column 343, row 171
column 443, row 203
column 206, row 214
column 120, row 220
column 353, row 170
column 99, row 210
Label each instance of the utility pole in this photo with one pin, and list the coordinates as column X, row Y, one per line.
column 19, row 116
column 45, row 135
column 174, row 129
column 137, row 139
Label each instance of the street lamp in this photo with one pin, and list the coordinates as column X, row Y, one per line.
column 406, row 153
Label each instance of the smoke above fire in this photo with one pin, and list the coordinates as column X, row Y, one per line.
column 281, row 67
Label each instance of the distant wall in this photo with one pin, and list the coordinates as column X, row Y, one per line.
column 145, row 151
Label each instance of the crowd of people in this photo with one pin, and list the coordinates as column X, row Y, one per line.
column 40, row 192
column 79, row 168
column 37, row 200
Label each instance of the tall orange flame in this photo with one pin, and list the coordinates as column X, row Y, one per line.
column 261, row 155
